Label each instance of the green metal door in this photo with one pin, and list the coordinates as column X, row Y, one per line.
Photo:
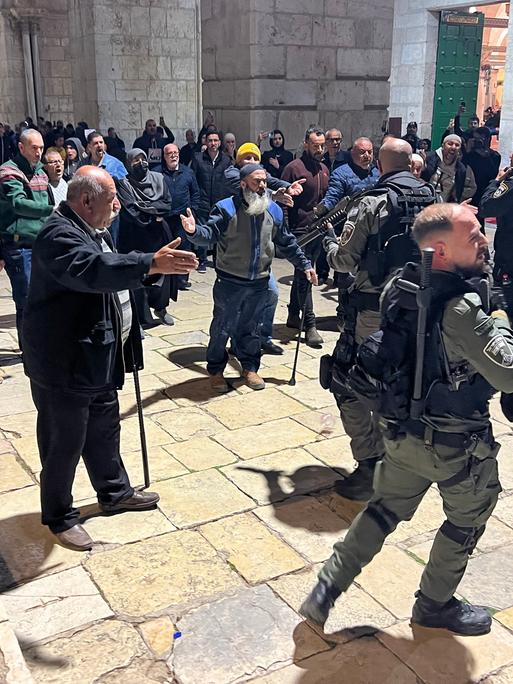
column 458, row 62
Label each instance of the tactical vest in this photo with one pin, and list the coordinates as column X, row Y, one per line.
column 383, row 374
column 392, row 246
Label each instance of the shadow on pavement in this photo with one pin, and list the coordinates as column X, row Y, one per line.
column 25, row 545
column 306, row 480
column 428, row 655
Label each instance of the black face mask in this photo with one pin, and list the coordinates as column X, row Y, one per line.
column 139, row 171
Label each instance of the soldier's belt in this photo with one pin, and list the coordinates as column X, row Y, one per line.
column 453, row 440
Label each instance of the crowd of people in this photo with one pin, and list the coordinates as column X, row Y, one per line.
column 97, row 239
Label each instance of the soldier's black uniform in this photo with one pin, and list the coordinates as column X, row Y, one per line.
column 497, row 201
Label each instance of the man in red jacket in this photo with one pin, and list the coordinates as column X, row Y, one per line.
column 316, row 175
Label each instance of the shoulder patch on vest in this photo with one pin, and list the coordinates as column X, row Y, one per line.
column 499, row 351
column 347, row 233
column 501, row 190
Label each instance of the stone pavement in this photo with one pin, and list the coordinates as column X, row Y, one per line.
column 205, row 589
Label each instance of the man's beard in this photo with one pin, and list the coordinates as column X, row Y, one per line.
column 472, row 271
column 257, row 204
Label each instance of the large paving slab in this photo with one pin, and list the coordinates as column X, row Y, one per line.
column 185, row 423
column 127, row 527
column 251, row 548
column 488, row 579
column 27, row 549
column 258, row 440
column 54, row 604
column 281, row 475
column 402, row 575
column 173, row 571
column 306, row 524
column 12, row 474
column 86, row 655
column 355, row 612
column 201, row 453
column 240, row 637
column 253, row 409
column 438, row 656
column 362, row 661
column 200, row 497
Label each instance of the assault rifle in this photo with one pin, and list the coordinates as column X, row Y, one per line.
column 423, row 296
column 318, row 228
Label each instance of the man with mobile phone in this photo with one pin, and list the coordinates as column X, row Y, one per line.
column 153, row 144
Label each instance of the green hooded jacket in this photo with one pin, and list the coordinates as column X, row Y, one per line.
column 24, row 200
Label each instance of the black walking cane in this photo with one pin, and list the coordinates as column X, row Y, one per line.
column 142, row 432
column 292, row 380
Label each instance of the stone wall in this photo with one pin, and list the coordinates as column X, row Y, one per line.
column 108, row 62
column 51, row 16
column 144, row 64
column 290, row 63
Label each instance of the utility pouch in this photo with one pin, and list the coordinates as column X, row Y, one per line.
column 483, row 461
column 326, row 371
column 375, row 264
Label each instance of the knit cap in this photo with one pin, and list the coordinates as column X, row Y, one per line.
column 248, row 148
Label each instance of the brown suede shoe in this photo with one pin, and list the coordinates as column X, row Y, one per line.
column 76, row 538
column 218, row 384
column 253, row 380
column 139, row 501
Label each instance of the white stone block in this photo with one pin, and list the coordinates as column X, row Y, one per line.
column 333, row 31
column 139, row 21
column 363, row 63
column 311, row 62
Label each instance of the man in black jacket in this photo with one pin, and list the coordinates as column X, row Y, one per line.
column 80, row 333
column 209, row 167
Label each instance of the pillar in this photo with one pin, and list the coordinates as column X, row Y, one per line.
column 29, row 74
column 36, row 66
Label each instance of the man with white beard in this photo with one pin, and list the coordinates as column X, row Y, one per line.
column 246, row 228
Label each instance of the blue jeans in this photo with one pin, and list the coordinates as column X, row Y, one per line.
column 18, row 266
column 238, row 311
column 266, row 331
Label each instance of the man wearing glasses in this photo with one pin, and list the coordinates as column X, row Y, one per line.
column 54, row 169
column 334, row 156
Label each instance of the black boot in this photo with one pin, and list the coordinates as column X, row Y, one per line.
column 456, row 616
column 317, row 605
column 358, row 486
column 312, row 337
column 293, row 320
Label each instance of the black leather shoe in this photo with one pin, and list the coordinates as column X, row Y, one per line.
column 271, row 348
column 455, row 616
column 139, row 501
column 76, row 538
column 312, row 338
column 293, row 321
column 185, row 286
column 316, row 607
column 164, row 317
column 358, row 486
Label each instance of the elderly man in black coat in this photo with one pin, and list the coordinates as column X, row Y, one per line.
column 80, row 333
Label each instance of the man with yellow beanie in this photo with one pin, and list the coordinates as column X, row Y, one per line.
column 283, row 193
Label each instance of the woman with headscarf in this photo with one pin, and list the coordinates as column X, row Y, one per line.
column 74, row 155
column 277, row 158
column 145, row 204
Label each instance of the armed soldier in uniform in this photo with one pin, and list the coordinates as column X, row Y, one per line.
column 375, row 241
column 497, row 201
column 438, row 433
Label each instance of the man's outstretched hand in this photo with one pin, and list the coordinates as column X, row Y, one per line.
column 188, row 222
column 172, row 261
